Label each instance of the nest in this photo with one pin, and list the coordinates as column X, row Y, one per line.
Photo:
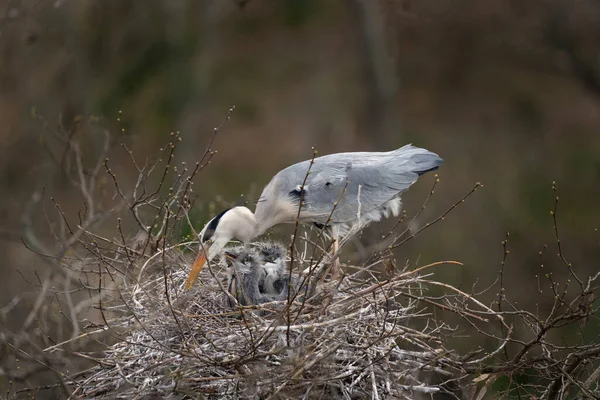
column 355, row 339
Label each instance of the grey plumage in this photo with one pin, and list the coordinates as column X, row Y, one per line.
column 257, row 274
column 245, row 275
column 273, row 258
column 270, row 251
column 373, row 182
column 343, row 193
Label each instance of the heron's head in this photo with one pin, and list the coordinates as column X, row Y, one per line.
column 233, row 223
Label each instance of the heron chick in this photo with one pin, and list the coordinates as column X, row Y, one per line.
column 257, row 275
column 273, row 257
column 341, row 192
column 245, row 276
column 277, row 278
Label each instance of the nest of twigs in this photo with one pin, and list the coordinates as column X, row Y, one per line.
column 376, row 333
column 345, row 340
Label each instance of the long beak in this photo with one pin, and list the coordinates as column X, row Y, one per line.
column 196, row 268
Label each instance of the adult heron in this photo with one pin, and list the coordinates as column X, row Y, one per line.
column 343, row 192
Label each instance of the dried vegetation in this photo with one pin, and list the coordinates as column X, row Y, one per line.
column 110, row 317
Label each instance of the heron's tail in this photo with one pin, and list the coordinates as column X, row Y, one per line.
column 420, row 160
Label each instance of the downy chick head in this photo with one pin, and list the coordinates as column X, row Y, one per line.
column 273, row 256
column 277, row 279
column 246, row 276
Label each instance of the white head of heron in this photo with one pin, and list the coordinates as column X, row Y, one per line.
column 234, row 223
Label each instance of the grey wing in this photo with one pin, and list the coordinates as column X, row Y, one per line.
column 361, row 182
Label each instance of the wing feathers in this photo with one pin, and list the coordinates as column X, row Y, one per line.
column 362, row 180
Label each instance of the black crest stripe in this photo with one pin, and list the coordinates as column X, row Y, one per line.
column 212, row 226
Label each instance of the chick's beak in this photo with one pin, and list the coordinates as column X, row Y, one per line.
column 196, row 267
column 230, row 258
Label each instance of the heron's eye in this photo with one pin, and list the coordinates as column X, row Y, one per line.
column 272, row 258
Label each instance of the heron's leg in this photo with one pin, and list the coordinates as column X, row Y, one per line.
column 330, row 266
column 336, row 273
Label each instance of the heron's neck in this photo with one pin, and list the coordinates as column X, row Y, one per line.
column 241, row 223
column 269, row 213
column 264, row 220
column 249, row 225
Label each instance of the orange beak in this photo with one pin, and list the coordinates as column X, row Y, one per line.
column 196, row 268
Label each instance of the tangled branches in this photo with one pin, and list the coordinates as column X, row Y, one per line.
column 111, row 319
column 358, row 345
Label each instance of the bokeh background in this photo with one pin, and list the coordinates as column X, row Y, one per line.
column 506, row 91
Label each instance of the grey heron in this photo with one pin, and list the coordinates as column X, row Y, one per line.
column 276, row 275
column 343, row 192
column 251, row 281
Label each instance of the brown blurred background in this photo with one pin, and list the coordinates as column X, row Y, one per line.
column 506, row 91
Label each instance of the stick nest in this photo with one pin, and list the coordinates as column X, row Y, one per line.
column 349, row 340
